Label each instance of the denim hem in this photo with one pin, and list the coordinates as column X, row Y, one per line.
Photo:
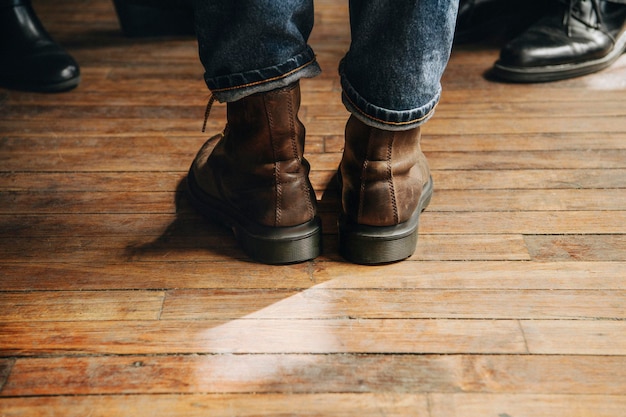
column 234, row 87
column 382, row 118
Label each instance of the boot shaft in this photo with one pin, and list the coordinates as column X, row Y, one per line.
column 382, row 173
column 258, row 166
column 266, row 127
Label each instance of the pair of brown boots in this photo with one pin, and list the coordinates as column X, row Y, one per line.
column 253, row 177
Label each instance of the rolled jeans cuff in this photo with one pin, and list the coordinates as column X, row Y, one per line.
column 233, row 87
column 386, row 119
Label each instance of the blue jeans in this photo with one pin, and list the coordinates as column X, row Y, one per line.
column 390, row 75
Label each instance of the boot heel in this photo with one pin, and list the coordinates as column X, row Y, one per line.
column 269, row 245
column 368, row 247
column 282, row 246
column 372, row 245
column 144, row 18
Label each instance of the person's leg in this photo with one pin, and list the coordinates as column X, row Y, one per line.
column 575, row 38
column 391, row 85
column 253, row 177
column 29, row 58
column 251, row 46
column 400, row 48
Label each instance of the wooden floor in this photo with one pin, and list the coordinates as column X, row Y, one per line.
column 117, row 299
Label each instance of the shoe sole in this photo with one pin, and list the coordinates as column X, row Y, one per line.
column 269, row 245
column 559, row 72
column 372, row 245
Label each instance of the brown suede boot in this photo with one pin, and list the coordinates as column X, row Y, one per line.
column 385, row 185
column 253, row 178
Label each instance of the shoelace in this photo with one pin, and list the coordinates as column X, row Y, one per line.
column 569, row 15
column 207, row 112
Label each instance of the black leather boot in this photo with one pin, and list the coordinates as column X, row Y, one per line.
column 580, row 37
column 29, row 59
column 254, row 178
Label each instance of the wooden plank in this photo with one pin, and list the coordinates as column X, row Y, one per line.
column 107, row 274
column 94, row 126
column 564, row 222
column 461, row 248
column 95, row 182
column 217, row 243
column 170, row 150
column 325, row 303
column 147, row 112
column 431, row 222
column 201, row 405
column 578, row 337
column 540, row 109
column 81, row 306
column 242, row 274
column 514, row 179
column 444, row 200
column 118, row 97
column 122, row 153
column 508, row 160
column 526, row 405
column 343, row 373
column 182, row 106
column 90, row 202
column 169, row 181
column 550, row 141
column 261, row 337
column 474, row 275
column 576, row 247
column 528, row 200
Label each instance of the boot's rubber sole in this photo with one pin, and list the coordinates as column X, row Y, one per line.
column 559, row 72
column 270, row 245
column 371, row 245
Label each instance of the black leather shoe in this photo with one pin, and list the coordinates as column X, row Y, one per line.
column 480, row 19
column 580, row 37
column 29, row 59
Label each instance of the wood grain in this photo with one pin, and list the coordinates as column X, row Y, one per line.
column 118, row 298
column 189, row 374
column 218, row 405
column 315, row 336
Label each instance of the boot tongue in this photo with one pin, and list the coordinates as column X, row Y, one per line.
column 582, row 14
